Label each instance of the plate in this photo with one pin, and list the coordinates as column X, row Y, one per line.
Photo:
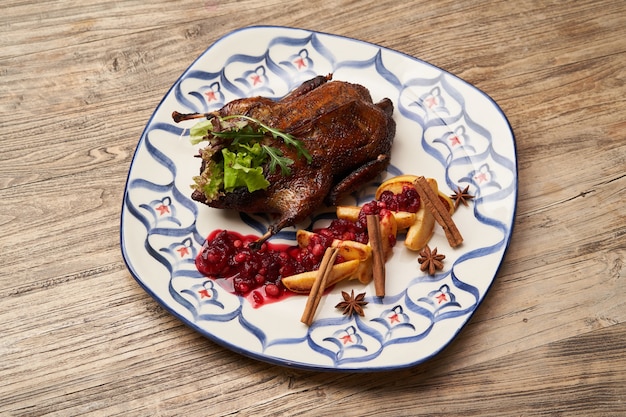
column 446, row 129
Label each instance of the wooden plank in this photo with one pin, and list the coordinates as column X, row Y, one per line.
column 78, row 336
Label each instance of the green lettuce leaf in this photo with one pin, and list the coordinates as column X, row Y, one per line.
column 199, row 131
column 244, row 147
column 243, row 168
column 211, row 180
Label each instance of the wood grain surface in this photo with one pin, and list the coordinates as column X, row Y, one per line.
column 78, row 336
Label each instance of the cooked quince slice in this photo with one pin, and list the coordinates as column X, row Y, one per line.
column 349, row 249
column 348, row 212
column 303, row 282
column 303, row 237
column 395, row 184
column 364, row 272
column 404, row 219
column 422, row 229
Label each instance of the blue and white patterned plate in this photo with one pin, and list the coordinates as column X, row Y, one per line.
column 446, row 129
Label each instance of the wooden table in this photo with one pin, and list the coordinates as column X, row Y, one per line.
column 78, row 336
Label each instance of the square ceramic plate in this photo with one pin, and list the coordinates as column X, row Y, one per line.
column 446, row 129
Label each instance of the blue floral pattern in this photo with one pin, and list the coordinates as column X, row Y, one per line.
column 447, row 129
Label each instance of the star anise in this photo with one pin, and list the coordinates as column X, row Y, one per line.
column 352, row 304
column 461, row 197
column 430, row 261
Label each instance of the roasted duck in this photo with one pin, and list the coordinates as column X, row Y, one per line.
column 343, row 141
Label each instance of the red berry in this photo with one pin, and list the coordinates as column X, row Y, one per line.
column 272, row 290
column 257, row 297
column 318, row 249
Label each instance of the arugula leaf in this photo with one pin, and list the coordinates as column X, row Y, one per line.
column 288, row 138
column 277, row 158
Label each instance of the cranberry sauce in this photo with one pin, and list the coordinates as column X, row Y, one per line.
column 256, row 272
column 407, row 200
column 341, row 229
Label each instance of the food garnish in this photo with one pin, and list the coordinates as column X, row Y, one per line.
column 303, row 282
column 439, row 211
column 352, row 304
column 245, row 144
column 461, row 197
column 319, row 286
column 410, row 213
column 430, row 261
column 378, row 257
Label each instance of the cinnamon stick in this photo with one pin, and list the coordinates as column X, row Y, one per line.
column 439, row 210
column 378, row 257
column 319, row 285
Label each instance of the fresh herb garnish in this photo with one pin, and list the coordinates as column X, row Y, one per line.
column 242, row 143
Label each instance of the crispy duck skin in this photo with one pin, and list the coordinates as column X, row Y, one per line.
column 348, row 136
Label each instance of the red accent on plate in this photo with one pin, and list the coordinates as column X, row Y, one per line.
column 163, row 209
column 300, row 63
column 481, row 177
column 431, row 101
column 210, row 95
